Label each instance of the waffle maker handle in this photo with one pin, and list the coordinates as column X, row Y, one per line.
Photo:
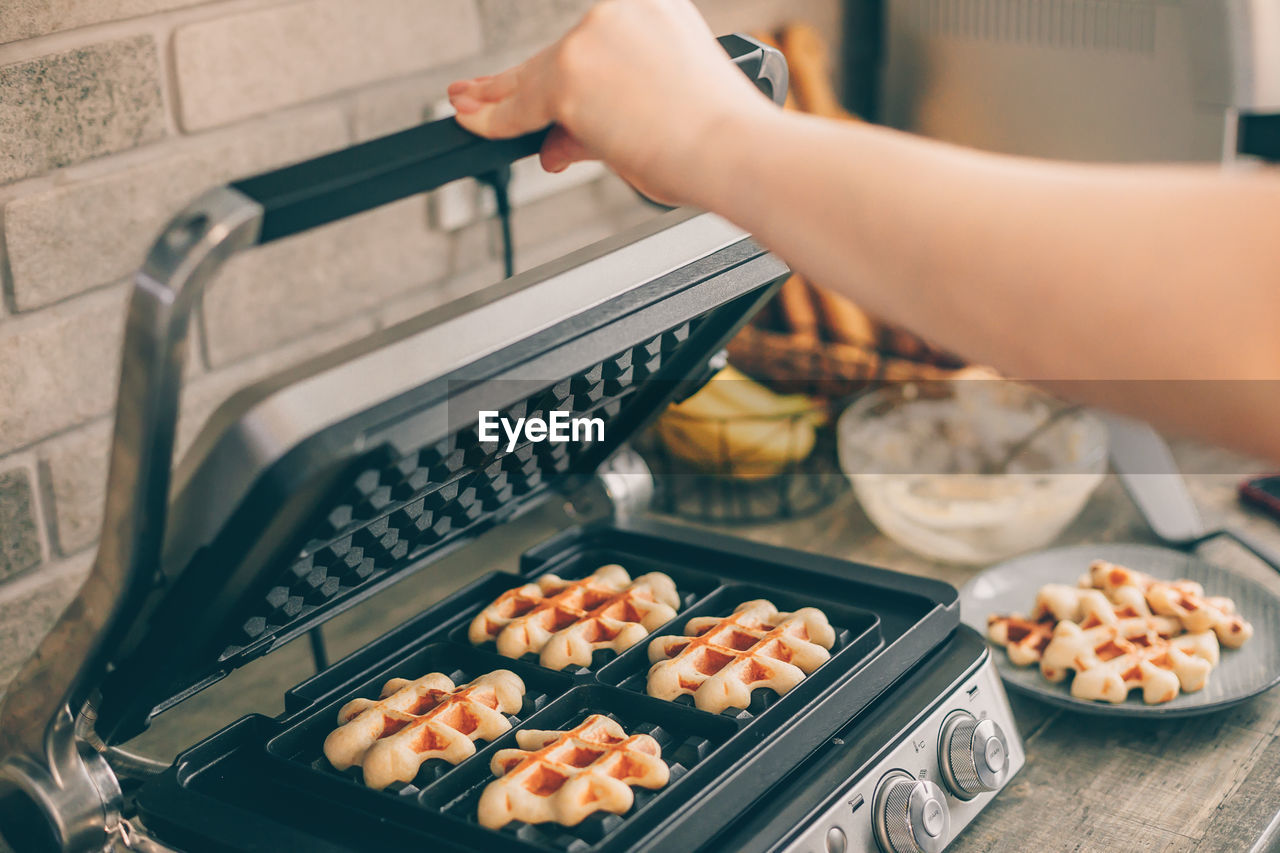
column 53, row 765
column 302, row 196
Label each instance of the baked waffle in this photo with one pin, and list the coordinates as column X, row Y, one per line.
column 565, row 622
column 720, row 660
column 1111, row 660
column 415, row 721
column 1025, row 638
column 564, row 776
column 1182, row 599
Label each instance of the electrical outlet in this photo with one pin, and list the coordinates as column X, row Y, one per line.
column 462, row 202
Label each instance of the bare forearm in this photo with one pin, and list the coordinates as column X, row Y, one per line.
column 1097, row 268
column 1047, row 271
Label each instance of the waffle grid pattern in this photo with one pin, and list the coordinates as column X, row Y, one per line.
column 561, row 700
column 565, row 775
column 632, row 673
column 720, row 660
column 681, row 751
column 415, row 721
column 691, row 589
column 566, row 622
column 462, row 667
column 393, row 511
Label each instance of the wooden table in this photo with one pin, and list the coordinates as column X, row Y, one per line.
column 1207, row 784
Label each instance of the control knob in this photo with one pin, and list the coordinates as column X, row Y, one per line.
column 972, row 754
column 910, row 815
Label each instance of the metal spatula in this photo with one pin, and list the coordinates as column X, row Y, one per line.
column 1146, row 468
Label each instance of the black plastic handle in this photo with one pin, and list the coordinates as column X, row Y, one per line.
column 311, row 193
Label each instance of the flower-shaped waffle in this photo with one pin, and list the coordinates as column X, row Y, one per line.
column 565, row 622
column 1025, row 638
column 1182, row 599
column 414, row 721
column 564, row 776
column 720, row 660
column 1111, row 660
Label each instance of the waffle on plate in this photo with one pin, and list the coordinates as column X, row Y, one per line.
column 564, row 622
column 1120, row 630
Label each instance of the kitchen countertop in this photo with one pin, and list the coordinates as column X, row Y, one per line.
column 1208, row 783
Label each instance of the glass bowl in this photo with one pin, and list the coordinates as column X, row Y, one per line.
column 930, row 464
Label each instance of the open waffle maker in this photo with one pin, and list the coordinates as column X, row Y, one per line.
column 309, row 492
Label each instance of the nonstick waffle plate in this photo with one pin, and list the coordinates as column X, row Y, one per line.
column 884, row 623
column 398, row 507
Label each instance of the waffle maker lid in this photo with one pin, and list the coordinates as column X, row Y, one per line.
column 308, row 492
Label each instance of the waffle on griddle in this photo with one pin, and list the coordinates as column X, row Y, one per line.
column 1111, row 660
column 565, row 622
column 415, row 721
column 1182, row 599
column 564, row 776
column 720, row 660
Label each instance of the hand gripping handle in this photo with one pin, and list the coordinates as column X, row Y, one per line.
column 311, row 193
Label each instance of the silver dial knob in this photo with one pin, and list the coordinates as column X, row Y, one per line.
column 973, row 755
column 910, row 815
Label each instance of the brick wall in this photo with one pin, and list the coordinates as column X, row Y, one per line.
column 115, row 113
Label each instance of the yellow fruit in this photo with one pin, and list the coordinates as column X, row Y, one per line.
column 738, row 427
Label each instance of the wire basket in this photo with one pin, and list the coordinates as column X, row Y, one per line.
column 800, row 364
column 743, row 470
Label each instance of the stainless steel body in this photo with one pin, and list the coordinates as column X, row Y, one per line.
column 46, row 759
column 54, row 768
column 915, row 769
column 1101, row 80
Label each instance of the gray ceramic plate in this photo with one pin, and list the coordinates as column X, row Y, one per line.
column 1011, row 586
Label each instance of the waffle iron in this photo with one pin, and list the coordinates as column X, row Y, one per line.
column 309, row 492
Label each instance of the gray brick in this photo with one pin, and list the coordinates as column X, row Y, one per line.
column 263, row 59
column 394, row 105
column 70, row 238
column 565, row 221
column 27, row 18
column 729, row 16
column 276, row 293
column 69, row 107
column 428, row 298
column 75, row 464
column 75, row 471
column 19, row 530
column 30, row 605
column 508, row 22
column 60, row 366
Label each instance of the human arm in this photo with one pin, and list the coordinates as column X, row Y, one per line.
column 1079, row 276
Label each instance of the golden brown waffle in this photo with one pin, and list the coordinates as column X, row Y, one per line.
column 1024, row 638
column 720, row 660
column 415, row 721
column 564, row 776
column 565, row 622
column 1182, row 599
column 1111, row 660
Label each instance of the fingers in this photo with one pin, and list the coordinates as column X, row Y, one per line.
column 561, row 150
column 512, row 103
